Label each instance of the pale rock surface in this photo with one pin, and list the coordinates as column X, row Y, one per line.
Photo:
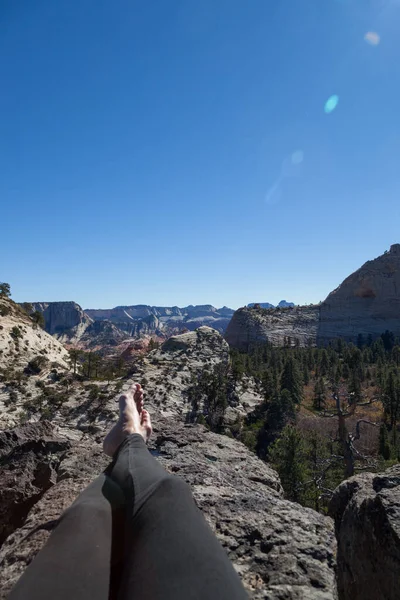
column 252, row 326
column 67, row 321
column 33, row 341
column 367, row 302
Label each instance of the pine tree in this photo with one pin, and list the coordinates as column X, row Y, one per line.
column 384, row 444
column 5, row 289
column 291, row 380
column 354, row 386
column 306, row 374
column 74, row 354
column 324, row 363
column 319, row 394
column 391, row 398
column 288, row 456
column 280, row 411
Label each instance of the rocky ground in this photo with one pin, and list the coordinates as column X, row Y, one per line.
column 21, row 340
column 280, row 549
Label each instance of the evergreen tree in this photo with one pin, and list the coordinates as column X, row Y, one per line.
column 280, row 411
column 360, row 341
column 216, row 397
column 395, row 355
column 74, row 355
column 388, row 340
column 391, row 398
column 319, row 394
column 324, row 363
column 306, row 374
column 384, row 444
column 288, row 456
column 38, row 318
column 291, row 380
column 354, row 386
column 5, row 289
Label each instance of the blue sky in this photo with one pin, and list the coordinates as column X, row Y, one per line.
column 179, row 152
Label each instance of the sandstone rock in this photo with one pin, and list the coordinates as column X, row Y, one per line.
column 97, row 328
column 30, row 342
column 157, row 320
column 367, row 302
column 67, row 321
column 251, row 326
column 366, row 509
column 206, row 338
column 280, row 550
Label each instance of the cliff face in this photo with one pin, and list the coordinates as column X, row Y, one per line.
column 163, row 319
column 251, row 326
column 65, row 320
column 367, row 302
column 93, row 328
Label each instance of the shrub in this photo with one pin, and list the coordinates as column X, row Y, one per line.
column 94, row 392
column 13, row 396
column 35, row 365
column 16, row 333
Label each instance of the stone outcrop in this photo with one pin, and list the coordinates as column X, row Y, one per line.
column 367, row 303
column 22, row 341
column 280, row 549
column 366, row 509
column 252, row 326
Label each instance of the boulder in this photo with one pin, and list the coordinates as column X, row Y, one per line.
column 366, row 509
column 29, row 457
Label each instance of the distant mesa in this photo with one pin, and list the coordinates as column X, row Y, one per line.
column 282, row 304
column 285, row 304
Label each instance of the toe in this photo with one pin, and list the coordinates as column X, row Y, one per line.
column 145, row 417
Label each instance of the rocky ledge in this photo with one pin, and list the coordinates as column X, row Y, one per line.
column 280, row 549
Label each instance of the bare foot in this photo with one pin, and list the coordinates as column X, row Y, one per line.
column 132, row 419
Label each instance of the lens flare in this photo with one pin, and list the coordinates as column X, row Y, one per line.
column 372, row 38
column 331, row 104
column 297, row 157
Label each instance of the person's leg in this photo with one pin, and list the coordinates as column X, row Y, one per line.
column 78, row 559
column 170, row 551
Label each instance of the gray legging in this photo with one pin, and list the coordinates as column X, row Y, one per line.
column 135, row 533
